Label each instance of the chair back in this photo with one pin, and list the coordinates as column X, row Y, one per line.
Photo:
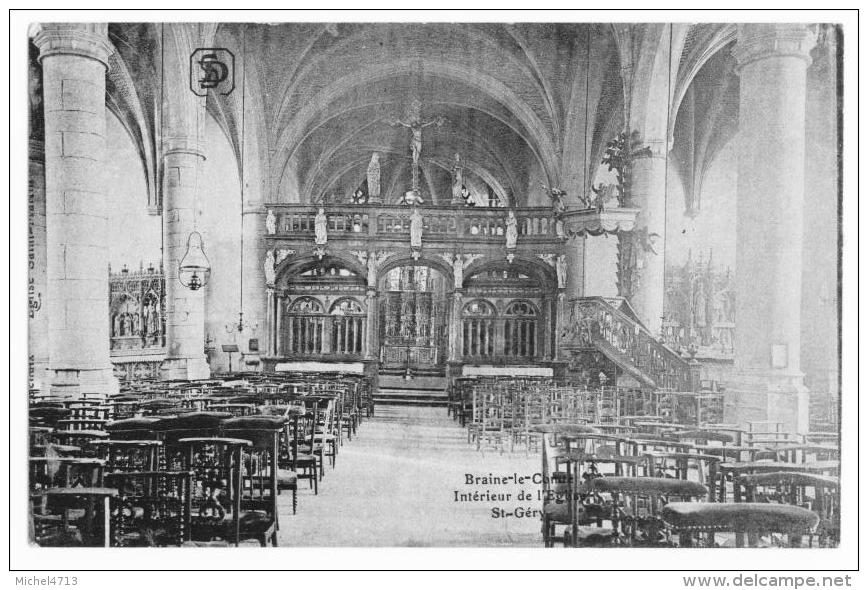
column 153, row 508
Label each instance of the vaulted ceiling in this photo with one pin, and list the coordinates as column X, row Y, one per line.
column 524, row 104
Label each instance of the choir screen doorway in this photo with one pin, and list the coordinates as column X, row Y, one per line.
column 414, row 320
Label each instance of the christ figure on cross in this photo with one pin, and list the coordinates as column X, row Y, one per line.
column 415, row 124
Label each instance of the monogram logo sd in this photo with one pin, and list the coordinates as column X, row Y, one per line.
column 212, row 68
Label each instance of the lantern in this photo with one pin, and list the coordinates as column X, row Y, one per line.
column 195, row 268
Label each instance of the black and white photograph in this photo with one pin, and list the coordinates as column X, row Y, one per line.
column 421, row 281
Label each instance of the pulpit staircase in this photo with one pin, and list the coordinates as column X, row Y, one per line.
column 611, row 327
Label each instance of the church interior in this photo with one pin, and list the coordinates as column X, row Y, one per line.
column 297, row 284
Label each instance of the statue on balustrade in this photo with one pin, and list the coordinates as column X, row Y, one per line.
column 604, row 195
column 469, row 201
column 320, row 228
column 270, row 274
column 557, row 197
column 458, row 180
column 458, row 271
column 511, row 230
column 416, row 230
column 270, row 223
column 374, row 176
column 561, row 268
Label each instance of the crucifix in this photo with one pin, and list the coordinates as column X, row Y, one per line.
column 415, row 124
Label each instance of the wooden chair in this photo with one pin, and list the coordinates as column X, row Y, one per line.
column 819, row 493
column 328, row 432
column 152, row 508
column 754, row 520
column 129, row 455
column 632, row 506
column 259, row 475
column 65, row 472
column 70, row 516
column 308, row 455
column 216, row 464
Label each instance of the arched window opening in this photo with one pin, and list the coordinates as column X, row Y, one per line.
column 348, row 327
column 305, row 326
column 520, row 330
column 479, row 329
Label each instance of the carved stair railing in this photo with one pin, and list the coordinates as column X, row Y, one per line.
column 610, row 326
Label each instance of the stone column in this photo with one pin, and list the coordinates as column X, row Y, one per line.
column 545, row 329
column 575, row 253
column 772, row 63
column 648, row 190
column 559, row 309
column 185, row 309
column 74, row 59
column 271, row 323
column 253, row 291
column 279, row 307
column 456, row 334
column 372, row 300
column 37, row 287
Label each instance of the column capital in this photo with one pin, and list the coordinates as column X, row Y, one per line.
column 756, row 41
column 85, row 39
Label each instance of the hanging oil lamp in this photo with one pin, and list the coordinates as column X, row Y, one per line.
column 195, row 268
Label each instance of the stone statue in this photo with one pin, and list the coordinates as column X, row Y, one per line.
column 269, row 267
column 372, row 272
column 457, row 179
column 320, row 228
column 561, row 268
column 511, row 230
column 374, row 176
column 416, row 230
column 458, row 271
column 557, row 197
column 270, row 223
column 604, row 194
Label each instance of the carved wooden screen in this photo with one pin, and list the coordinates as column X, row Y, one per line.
column 479, row 330
column 413, row 317
column 520, row 330
column 348, row 327
column 305, row 323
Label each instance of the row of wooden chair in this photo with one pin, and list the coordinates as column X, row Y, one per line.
column 177, row 463
column 605, row 489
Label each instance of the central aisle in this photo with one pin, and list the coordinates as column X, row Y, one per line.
column 394, row 486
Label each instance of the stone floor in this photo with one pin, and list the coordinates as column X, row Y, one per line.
column 394, row 486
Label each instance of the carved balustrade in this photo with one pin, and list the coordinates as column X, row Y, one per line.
column 595, row 320
column 439, row 222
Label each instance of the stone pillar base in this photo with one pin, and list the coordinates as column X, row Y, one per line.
column 771, row 397
column 77, row 383
column 188, row 369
